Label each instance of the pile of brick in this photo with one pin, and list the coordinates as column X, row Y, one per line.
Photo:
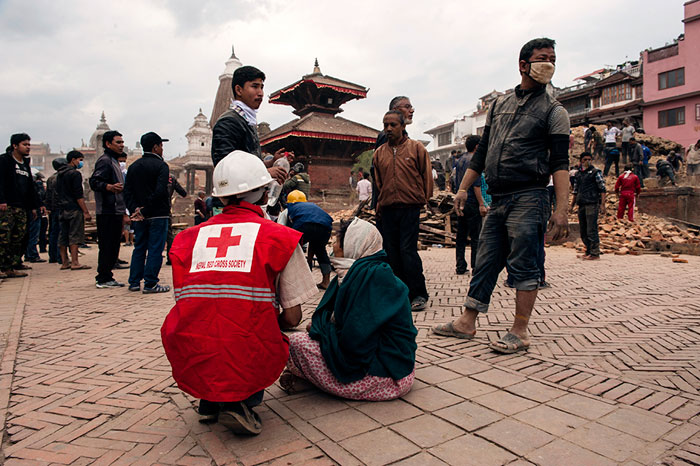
column 646, row 234
column 438, row 225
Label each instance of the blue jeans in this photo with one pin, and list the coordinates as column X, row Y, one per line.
column 149, row 240
column 511, row 237
column 33, row 227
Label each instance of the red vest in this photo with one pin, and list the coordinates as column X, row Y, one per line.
column 222, row 337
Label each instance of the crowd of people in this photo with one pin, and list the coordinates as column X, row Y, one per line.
column 240, row 275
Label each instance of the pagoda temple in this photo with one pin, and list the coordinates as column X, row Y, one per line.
column 326, row 143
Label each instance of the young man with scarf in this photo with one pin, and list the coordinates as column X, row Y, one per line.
column 525, row 141
column 627, row 188
column 107, row 181
column 223, row 337
column 237, row 128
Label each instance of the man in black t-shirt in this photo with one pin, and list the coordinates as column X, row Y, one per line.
column 74, row 212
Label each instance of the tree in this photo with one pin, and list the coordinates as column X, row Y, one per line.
column 363, row 161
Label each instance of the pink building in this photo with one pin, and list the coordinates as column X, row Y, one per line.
column 672, row 84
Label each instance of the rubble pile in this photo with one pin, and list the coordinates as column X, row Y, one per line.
column 438, row 225
column 646, row 234
column 659, row 146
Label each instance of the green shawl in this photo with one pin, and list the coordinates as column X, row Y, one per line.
column 364, row 325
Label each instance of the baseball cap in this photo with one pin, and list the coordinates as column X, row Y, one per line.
column 150, row 139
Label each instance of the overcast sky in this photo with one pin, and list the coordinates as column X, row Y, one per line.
column 150, row 65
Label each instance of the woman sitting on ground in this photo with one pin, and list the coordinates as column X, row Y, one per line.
column 361, row 342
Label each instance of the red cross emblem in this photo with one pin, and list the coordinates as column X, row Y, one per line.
column 223, row 242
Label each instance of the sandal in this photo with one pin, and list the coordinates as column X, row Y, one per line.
column 448, row 330
column 81, row 267
column 240, row 419
column 65, row 267
column 512, row 344
column 158, row 288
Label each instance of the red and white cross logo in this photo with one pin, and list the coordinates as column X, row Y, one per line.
column 225, row 247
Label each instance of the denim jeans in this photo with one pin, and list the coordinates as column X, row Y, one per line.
column 54, row 232
column 399, row 229
column 511, row 237
column 149, row 240
column 33, row 227
column 468, row 226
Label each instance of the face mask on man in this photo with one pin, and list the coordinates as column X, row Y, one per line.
column 541, row 71
column 122, row 165
column 80, row 165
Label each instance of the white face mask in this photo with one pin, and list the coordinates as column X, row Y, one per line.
column 541, row 71
column 122, row 165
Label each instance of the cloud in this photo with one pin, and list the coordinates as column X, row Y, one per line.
column 150, row 65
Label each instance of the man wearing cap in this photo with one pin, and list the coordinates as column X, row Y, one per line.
column 223, row 337
column 74, row 212
column 146, row 196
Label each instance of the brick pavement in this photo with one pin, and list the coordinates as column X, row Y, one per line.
column 612, row 378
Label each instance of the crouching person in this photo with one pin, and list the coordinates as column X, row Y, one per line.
column 361, row 343
column 223, row 337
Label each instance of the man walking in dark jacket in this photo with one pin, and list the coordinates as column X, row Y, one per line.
column 107, row 181
column 525, row 141
column 589, row 194
column 18, row 200
column 147, row 198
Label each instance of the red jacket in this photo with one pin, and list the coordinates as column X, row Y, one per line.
column 222, row 337
column 628, row 183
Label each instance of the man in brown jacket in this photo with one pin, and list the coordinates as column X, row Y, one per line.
column 403, row 176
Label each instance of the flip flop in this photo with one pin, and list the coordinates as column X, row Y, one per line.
column 512, row 342
column 65, row 268
column 448, row 330
column 81, row 267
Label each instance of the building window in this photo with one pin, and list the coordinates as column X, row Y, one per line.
column 617, row 93
column 697, row 112
column 672, row 117
column 672, row 78
column 445, row 138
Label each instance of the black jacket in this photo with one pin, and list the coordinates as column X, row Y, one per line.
column 232, row 132
column 147, row 186
column 69, row 188
column 516, row 152
column 16, row 184
column 107, row 171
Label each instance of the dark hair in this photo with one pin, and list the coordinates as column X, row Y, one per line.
column 454, row 151
column 74, row 154
column 344, row 225
column 243, row 75
column 593, row 128
column 109, row 137
column 633, row 139
column 366, row 176
column 395, row 101
column 609, row 121
column 585, row 154
column 124, row 156
column 529, row 48
column 472, row 142
column 398, row 114
column 15, row 139
column 628, row 167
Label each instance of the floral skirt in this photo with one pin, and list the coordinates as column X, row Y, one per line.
column 306, row 361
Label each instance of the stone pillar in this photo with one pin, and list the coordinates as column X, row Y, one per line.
column 189, row 181
column 209, row 181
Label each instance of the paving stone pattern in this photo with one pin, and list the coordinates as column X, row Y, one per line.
column 612, row 377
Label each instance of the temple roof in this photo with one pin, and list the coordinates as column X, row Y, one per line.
column 318, row 92
column 322, row 126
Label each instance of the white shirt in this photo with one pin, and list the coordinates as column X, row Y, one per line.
column 611, row 134
column 364, row 189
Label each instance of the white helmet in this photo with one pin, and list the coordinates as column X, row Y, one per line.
column 239, row 172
